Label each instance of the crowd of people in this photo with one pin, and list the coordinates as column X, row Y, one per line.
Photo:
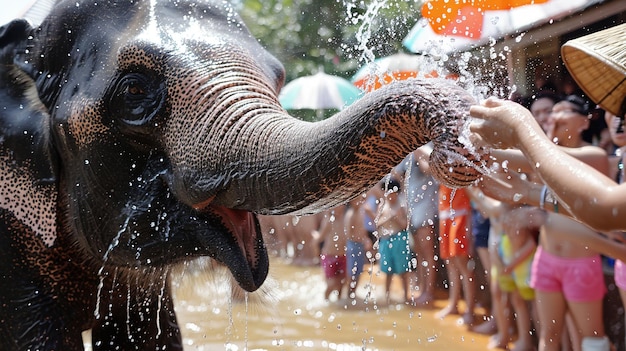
column 541, row 224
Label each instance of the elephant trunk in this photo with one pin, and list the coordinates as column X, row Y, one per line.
column 305, row 167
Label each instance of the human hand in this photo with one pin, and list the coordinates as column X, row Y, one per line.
column 501, row 121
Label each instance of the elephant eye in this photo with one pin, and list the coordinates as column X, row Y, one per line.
column 136, row 99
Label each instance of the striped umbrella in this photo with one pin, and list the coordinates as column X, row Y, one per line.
column 398, row 66
column 454, row 26
column 319, row 91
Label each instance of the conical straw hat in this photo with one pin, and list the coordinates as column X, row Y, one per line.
column 597, row 62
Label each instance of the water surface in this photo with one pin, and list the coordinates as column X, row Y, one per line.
column 293, row 315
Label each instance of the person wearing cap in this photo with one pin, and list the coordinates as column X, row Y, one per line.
column 587, row 194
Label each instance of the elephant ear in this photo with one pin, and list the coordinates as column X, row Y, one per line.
column 24, row 120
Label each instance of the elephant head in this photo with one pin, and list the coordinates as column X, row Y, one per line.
column 144, row 133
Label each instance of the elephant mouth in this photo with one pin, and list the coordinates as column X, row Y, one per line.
column 244, row 252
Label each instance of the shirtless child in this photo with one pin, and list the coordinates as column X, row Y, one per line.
column 358, row 243
column 393, row 237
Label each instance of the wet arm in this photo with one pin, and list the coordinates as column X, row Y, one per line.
column 517, row 161
column 588, row 194
column 510, row 187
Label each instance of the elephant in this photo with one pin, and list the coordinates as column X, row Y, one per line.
column 139, row 135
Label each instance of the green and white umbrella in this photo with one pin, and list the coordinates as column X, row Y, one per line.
column 318, row 92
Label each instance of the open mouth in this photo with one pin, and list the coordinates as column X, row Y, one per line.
column 240, row 246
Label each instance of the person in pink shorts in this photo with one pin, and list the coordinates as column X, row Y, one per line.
column 568, row 279
column 579, row 279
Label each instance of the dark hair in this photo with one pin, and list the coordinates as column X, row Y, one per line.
column 582, row 105
column 545, row 95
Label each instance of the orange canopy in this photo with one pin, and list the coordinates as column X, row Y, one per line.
column 366, row 85
column 465, row 17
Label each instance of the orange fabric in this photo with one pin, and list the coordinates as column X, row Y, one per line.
column 460, row 199
column 365, row 85
column 465, row 17
column 454, row 237
column 454, row 223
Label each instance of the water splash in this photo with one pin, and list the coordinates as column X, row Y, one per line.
column 162, row 293
column 101, row 273
column 364, row 34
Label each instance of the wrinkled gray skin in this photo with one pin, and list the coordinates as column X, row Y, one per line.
column 135, row 136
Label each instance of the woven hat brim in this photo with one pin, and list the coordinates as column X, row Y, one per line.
column 598, row 64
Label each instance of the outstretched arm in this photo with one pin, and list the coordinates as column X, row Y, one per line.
column 515, row 189
column 590, row 196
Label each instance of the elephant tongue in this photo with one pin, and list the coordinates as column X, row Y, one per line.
column 247, row 257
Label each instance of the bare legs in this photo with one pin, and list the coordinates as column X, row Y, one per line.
column 424, row 247
column 460, row 275
column 523, row 321
column 552, row 306
column 490, row 326
column 405, row 285
column 499, row 310
column 334, row 284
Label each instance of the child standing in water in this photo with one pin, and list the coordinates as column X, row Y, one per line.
column 455, row 249
column 358, row 243
column 393, row 237
column 333, row 252
column 421, row 196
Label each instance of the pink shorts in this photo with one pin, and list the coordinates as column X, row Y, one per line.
column 620, row 274
column 579, row 279
column 334, row 266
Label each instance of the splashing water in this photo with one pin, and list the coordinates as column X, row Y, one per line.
column 364, row 32
column 101, row 274
column 367, row 55
column 162, row 293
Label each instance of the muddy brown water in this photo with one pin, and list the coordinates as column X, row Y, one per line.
column 291, row 314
